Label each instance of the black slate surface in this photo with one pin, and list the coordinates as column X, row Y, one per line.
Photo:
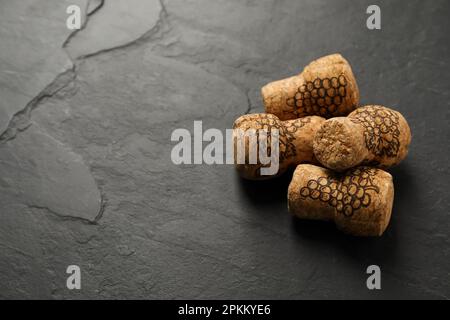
column 85, row 170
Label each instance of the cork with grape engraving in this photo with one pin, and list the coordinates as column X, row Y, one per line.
column 359, row 201
column 326, row 88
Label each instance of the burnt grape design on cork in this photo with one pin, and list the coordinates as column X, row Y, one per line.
column 290, row 131
column 287, row 132
column 381, row 130
column 321, row 96
column 345, row 192
column 266, row 122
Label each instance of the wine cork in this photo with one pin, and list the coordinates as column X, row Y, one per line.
column 294, row 142
column 371, row 135
column 326, row 88
column 359, row 201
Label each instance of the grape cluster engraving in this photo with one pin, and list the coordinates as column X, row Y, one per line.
column 290, row 130
column 345, row 192
column 319, row 97
column 287, row 131
column 266, row 122
column 381, row 130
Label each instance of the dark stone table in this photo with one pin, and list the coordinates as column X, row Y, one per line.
column 86, row 176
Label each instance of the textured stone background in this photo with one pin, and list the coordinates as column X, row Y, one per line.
column 85, row 170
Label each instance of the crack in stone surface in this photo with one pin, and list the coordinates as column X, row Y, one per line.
column 53, row 178
column 30, row 63
column 94, row 6
column 62, row 216
column 87, row 15
column 21, row 120
column 101, row 28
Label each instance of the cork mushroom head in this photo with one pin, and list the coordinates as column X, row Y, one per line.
column 326, row 87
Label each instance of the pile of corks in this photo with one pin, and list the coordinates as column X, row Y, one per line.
column 340, row 149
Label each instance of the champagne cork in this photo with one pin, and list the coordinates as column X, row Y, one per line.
column 371, row 135
column 326, row 88
column 359, row 201
column 294, row 147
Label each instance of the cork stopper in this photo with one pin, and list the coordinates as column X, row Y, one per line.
column 359, row 200
column 372, row 135
column 295, row 143
column 326, row 88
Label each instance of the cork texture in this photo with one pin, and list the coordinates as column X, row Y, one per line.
column 295, row 141
column 371, row 135
column 359, row 201
column 326, row 87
